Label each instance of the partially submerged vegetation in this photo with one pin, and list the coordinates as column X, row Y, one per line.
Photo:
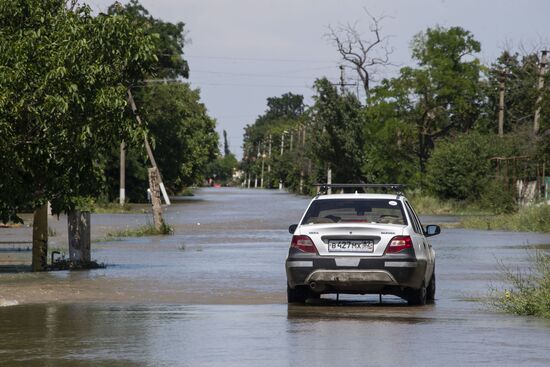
column 146, row 230
column 431, row 205
column 116, row 208
column 528, row 219
column 527, row 292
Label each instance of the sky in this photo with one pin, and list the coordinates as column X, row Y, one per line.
column 241, row 52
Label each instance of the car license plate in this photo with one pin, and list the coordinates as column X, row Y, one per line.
column 351, row 245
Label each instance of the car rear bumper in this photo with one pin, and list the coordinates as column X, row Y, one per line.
column 324, row 274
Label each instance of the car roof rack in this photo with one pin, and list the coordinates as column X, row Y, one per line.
column 323, row 187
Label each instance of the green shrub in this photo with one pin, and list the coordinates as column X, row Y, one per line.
column 529, row 219
column 497, row 197
column 146, row 230
column 458, row 169
column 528, row 293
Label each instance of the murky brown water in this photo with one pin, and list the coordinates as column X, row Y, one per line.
column 214, row 295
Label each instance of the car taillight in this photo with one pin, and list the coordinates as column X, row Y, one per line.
column 303, row 243
column 398, row 244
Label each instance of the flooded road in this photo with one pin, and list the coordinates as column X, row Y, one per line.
column 213, row 294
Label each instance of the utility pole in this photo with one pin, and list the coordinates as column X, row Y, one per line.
column 342, row 80
column 282, row 151
column 122, row 197
column 342, row 84
column 148, row 147
column 263, row 164
column 269, row 156
column 501, row 87
column 543, row 62
column 329, row 179
column 291, row 139
column 154, row 179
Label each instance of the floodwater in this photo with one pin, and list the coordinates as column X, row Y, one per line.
column 213, row 294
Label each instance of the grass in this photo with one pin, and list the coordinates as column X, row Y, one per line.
column 116, row 208
column 188, row 191
column 528, row 219
column 527, row 292
column 146, row 230
column 430, row 205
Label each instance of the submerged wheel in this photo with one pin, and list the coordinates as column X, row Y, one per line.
column 430, row 291
column 416, row 297
column 300, row 294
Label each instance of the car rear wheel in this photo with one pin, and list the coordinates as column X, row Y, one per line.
column 416, row 297
column 430, row 292
column 299, row 294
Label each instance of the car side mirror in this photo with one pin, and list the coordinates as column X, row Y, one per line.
column 292, row 228
column 432, row 230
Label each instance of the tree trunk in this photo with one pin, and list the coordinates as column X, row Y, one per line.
column 79, row 236
column 154, row 186
column 40, row 239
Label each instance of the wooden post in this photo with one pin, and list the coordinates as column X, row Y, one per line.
column 154, row 186
column 40, row 238
column 501, row 86
column 79, row 236
column 148, row 147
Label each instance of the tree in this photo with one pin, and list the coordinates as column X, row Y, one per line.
column 364, row 55
column 226, row 150
column 63, row 81
column 338, row 133
column 184, row 141
column 443, row 94
column 169, row 38
column 520, row 93
column 285, row 115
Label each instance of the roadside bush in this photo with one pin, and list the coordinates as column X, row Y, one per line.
column 498, row 198
column 529, row 219
column 529, row 291
column 458, row 168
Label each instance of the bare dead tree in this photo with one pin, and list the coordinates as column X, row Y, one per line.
column 365, row 56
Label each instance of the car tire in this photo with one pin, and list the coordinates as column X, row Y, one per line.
column 416, row 297
column 299, row 294
column 430, row 292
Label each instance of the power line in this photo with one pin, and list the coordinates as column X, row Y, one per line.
column 254, row 75
column 251, row 85
column 317, row 61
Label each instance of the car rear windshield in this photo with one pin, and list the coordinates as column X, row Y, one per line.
column 355, row 210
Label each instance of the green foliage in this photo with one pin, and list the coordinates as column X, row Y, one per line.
column 63, row 80
column 221, row 169
column 184, row 141
column 520, row 91
column 443, row 94
column 169, row 38
column 285, row 116
column 498, row 197
column 337, row 132
column 147, row 230
column 426, row 204
column 459, row 168
column 528, row 292
column 528, row 219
